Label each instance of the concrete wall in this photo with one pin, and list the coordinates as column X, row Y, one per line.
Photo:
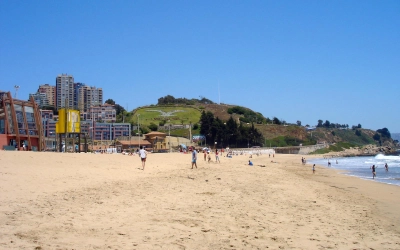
column 303, row 150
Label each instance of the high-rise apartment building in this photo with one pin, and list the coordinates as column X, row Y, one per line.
column 86, row 97
column 40, row 98
column 65, row 91
column 50, row 92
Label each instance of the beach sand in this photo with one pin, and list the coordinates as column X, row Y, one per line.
column 99, row 201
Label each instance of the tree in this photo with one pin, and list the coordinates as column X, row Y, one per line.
column 275, row 120
column 384, row 132
column 358, row 132
column 119, row 109
column 110, row 101
column 153, row 127
column 327, row 124
column 320, row 123
column 359, row 125
column 376, row 137
column 298, row 123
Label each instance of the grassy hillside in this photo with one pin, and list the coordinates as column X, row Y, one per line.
column 147, row 115
column 344, row 135
column 274, row 135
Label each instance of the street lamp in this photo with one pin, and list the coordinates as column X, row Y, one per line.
column 169, row 135
column 138, row 125
column 91, row 136
column 53, row 142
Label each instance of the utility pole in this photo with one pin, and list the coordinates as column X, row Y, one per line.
column 66, row 124
column 138, row 124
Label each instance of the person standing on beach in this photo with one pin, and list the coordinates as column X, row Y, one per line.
column 373, row 171
column 386, row 167
column 216, row 156
column 143, row 155
column 194, row 158
column 205, row 154
column 313, row 169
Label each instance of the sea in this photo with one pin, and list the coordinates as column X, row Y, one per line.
column 360, row 167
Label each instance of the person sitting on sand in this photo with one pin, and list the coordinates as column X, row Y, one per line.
column 250, row 163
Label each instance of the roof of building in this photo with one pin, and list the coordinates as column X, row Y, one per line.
column 156, row 133
column 135, row 142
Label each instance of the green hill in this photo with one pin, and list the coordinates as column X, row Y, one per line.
column 166, row 114
column 189, row 112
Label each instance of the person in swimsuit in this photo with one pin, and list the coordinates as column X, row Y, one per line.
column 373, row 171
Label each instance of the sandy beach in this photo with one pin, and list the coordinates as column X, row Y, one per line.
column 100, row 201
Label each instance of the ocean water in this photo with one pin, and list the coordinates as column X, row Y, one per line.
column 360, row 167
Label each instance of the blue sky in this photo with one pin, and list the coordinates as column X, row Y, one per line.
column 295, row 60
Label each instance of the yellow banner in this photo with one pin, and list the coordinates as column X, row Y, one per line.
column 68, row 121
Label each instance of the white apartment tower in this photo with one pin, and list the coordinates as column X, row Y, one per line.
column 64, row 91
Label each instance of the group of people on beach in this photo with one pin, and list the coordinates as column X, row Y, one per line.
column 207, row 156
column 373, row 168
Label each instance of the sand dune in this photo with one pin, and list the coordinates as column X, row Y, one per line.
column 88, row 201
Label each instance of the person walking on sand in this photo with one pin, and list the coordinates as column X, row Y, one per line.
column 313, row 169
column 373, row 171
column 194, row 158
column 386, row 167
column 217, row 156
column 143, row 155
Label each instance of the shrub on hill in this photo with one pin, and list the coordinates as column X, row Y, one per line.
column 169, row 99
column 337, row 147
column 248, row 115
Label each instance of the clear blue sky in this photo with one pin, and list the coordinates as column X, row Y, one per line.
column 296, row 60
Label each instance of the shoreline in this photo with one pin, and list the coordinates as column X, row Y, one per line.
column 106, row 201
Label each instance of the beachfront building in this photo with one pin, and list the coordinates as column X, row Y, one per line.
column 65, row 91
column 20, row 124
column 158, row 141
column 101, row 113
column 49, row 129
column 105, row 131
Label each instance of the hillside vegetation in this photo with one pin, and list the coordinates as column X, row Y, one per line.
column 273, row 132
